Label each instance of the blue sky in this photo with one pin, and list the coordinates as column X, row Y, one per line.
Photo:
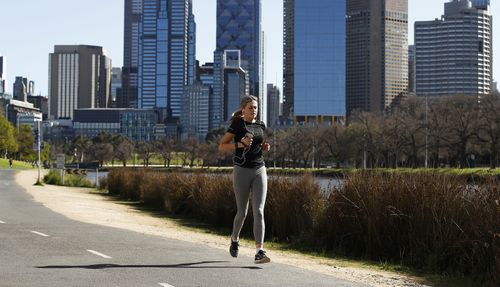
column 31, row 28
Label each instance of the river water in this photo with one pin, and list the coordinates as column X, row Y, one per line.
column 325, row 183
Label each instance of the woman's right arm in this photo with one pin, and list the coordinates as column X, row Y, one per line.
column 226, row 145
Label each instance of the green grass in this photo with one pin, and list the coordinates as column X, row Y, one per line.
column 4, row 163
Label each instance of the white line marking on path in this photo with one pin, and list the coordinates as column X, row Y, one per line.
column 2, row 222
column 39, row 233
column 165, row 285
column 99, row 254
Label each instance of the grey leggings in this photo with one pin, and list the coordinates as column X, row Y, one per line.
column 244, row 181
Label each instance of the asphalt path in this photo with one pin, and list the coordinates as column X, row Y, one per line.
column 41, row 248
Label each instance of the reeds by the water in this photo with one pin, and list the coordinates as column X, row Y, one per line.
column 435, row 222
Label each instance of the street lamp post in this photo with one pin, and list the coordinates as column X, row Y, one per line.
column 426, row 132
column 38, row 120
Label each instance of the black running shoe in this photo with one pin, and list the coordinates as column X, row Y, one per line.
column 261, row 257
column 233, row 249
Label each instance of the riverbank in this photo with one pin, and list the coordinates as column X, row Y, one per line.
column 87, row 205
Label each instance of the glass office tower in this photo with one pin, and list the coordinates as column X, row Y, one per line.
column 164, row 53
column 238, row 28
column 3, row 76
column 314, row 62
column 127, row 94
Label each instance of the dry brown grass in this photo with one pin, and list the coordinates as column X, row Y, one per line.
column 436, row 222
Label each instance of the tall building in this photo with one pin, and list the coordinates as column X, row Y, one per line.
column 116, row 83
column 314, row 59
column 79, row 77
column 377, row 54
column 205, row 74
column 238, row 28
column 454, row 54
column 20, row 89
column 235, row 82
column 195, row 112
column 164, row 54
column 41, row 103
column 127, row 94
column 411, row 70
column 3, row 75
column 273, row 105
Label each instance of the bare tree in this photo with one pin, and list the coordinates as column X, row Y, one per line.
column 209, row 153
column 412, row 119
column 463, row 125
column 489, row 126
column 165, row 147
column 102, row 152
column 145, row 150
column 124, row 151
column 334, row 141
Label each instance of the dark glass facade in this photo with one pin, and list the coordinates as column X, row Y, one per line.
column 239, row 28
column 127, row 95
column 315, row 58
column 164, row 54
column 137, row 125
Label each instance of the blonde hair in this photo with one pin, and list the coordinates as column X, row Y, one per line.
column 243, row 103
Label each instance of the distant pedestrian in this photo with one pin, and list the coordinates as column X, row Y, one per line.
column 245, row 137
column 10, row 162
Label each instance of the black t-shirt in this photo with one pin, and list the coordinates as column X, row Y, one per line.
column 250, row 157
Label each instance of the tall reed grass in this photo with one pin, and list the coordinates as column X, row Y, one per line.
column 434, row 222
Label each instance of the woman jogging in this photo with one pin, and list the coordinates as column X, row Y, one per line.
column 245, row 137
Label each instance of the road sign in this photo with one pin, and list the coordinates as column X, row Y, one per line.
column 60, row 160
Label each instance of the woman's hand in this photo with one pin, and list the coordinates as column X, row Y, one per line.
column 266, row 146
column 247, row 141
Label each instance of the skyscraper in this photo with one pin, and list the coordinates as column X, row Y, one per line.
column 314, row 59
column 20, row 89
column 3, row 76
column 273, row 105
column 411, row 70
column 454, row 54
column 194, row 118
column 127, row 94
column 377, row 53
column 238, row 28
column 79, row 77
column 116, row 83
column 164, row 54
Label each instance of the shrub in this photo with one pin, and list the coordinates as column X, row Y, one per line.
column 53, row 177
column 103, row 183
column 77, row 181
column 293, row 207
column 439, row 222
column 431, row 221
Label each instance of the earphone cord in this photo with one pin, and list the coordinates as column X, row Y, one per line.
column 242, row 158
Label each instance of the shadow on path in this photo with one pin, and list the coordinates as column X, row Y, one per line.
column 181, row 265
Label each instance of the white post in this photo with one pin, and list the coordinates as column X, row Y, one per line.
column 97, row 177
column 426, row 132
column 38, row 147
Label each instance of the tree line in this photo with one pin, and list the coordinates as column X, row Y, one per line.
column 19, row 143
column 457, row 131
